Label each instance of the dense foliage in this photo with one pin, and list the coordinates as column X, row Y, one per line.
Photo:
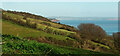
column 94, row 32
column 116, row 37
column 17, row 45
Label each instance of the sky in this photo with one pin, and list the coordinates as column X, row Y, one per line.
column 68, row 9
column 59, row 0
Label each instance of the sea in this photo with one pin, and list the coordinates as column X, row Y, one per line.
column 109, row 24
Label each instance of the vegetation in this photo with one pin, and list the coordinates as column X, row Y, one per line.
column 92, row 32
column 91, row 29
column 37, row 18
column 38, row 35
column 34, row 34
column 17, row 45
column 34, row 24
column 95, row 36
column 117, row 40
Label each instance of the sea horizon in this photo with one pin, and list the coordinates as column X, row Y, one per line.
column 109, row 24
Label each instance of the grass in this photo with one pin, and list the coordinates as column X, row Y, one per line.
column 101, row 45
column 41, row 26
column 32, row 46
column 17, row 30
column 17, row 45
column 52, row 24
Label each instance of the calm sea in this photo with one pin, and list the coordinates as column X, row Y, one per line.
column 110, row 25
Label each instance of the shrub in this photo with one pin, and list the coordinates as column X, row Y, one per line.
column 45, row 23
column 92, row 30
column 66, row 28
column 22, row 22
column 27, row 22
column 25, row 18
column 116, row 37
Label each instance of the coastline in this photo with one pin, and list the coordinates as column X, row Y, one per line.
column 110, row 26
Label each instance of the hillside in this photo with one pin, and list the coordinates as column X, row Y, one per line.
column 42, row 32
column 32, row 33
column 12, row 44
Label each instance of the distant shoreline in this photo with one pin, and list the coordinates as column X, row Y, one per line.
column 110, row 26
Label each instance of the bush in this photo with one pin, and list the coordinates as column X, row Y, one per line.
column 25, row 18
column 45, row 23
column 92, row 30
column 116, row 37
column 66, row 28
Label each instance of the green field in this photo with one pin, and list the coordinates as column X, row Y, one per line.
column 17, row 45
column 17, row 30
column 42, row 25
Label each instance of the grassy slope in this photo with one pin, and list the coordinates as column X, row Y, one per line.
column 15, row 45
column 11, row 28
column 17, row 30
column 14, row 29
column 22, row 31
column 53, row 26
